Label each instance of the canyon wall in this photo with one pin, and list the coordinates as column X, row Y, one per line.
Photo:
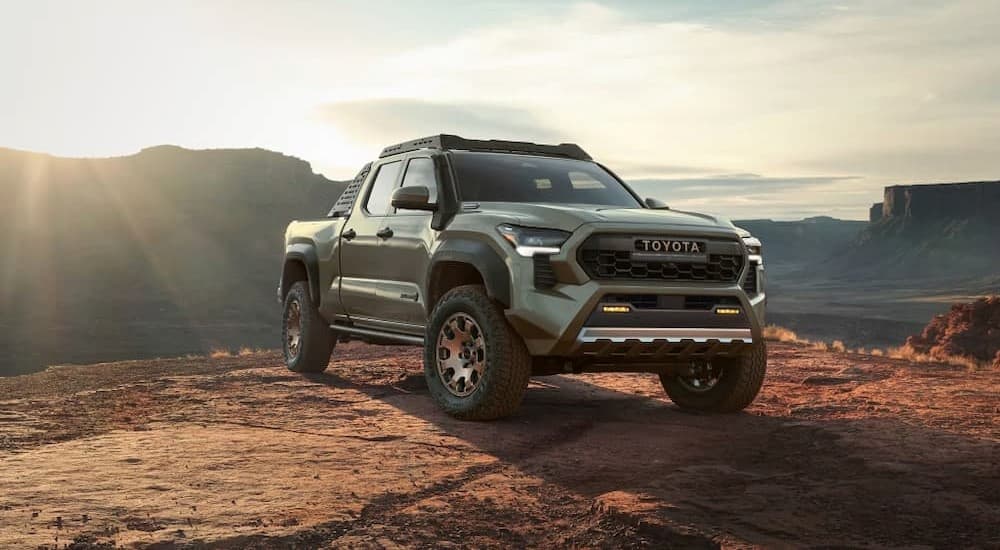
column 939, row 201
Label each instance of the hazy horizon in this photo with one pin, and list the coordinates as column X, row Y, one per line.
column 750, row 109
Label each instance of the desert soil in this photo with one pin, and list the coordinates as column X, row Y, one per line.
column 839, row 450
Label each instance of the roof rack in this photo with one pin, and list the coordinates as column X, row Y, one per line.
column 448, row 141
column 345, row 203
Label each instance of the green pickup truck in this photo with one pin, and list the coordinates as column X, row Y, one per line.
column 507, row 260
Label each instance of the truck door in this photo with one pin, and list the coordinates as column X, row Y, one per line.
column 362, row 264
column 401, row 289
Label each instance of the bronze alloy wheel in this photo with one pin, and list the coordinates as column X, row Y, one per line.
column 461, row 355
column 293, row 329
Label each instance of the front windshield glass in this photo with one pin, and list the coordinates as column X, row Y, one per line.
column 501, row 177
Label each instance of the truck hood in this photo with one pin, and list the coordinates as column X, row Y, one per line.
column 569, row 217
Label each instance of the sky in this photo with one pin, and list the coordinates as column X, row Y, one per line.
column 749, row 109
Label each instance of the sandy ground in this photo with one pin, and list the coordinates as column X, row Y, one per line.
column 838, row 451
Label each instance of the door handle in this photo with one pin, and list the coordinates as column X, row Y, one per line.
column 349, row 234
column 384, row 233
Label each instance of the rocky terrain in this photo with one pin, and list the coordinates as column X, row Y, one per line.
column 839, row 450
column 970, row 330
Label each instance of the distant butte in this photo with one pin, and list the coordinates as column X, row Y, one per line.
column 938, row 200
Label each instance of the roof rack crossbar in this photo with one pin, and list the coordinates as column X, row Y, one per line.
column 448, row 141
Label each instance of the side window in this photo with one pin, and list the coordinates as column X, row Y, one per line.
column 377, row 203
column 420, row 171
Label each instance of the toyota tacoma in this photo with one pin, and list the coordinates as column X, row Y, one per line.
column 507, row 260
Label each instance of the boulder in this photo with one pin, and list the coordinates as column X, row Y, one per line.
column 968, row 330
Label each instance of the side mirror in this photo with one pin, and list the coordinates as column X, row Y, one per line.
column 414, row 197
column 656, row 204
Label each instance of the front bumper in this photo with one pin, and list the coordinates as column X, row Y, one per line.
column 554, row 321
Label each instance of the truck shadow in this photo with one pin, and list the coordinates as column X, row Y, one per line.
column 768, row 479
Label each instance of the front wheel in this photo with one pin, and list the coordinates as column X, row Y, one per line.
column 726, row 385
column 476, row 365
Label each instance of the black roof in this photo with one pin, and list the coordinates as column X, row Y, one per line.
column 448, row 141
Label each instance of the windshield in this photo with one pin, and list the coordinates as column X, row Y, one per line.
column 500, row 177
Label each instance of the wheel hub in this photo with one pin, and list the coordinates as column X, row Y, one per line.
column 702, row 377
column 461, row 355
column 293, row 328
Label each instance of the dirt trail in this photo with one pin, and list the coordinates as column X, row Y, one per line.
column 839, row 450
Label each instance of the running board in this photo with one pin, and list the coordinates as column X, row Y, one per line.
column 387, row 336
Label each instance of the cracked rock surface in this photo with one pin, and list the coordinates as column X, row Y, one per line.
column 237, row 452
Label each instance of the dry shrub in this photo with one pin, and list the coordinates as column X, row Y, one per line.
column 247, row 352
column 219, row 353
column 780, row 334
column 907, row 353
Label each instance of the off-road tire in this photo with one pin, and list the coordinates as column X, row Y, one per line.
column 316, row 341
column 508, row 364
column 740, row 382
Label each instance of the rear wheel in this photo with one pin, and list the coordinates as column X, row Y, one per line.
column 307, row 340
column 727, row 385
column 476, row 365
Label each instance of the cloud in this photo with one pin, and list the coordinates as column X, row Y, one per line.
column 746, row 196
column 777, row 88
column 884, row 91
column 385, row 121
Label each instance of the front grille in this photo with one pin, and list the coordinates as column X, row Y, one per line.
column 619, row 264
column 544, row 276
column 750, row 282
column 665, row 301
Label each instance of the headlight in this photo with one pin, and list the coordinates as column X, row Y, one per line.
column 753, row 245
column 529, row 241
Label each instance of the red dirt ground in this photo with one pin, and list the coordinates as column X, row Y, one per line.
column 839, row 450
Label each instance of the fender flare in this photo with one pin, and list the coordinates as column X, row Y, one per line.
column 481, row 256
column 304, row 253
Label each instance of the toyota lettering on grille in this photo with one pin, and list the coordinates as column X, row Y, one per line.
column 669, row 246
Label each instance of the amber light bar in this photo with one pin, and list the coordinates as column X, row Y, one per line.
column 616, row 309
column 727, row 311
